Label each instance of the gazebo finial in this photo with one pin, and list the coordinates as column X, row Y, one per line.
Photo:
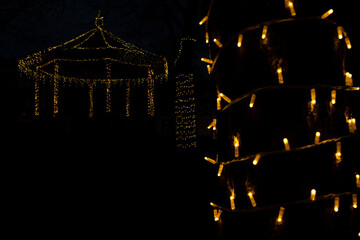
column 99, row 20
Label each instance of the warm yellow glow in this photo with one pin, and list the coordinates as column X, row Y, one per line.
column 328, row 13
column 207, row 37
column 240, row 38
column 210, row 160
column 256, row 160
column 348, row 43
column 313, row 194
column 252, row 100
column 317, row 137
column 313, row 96
column 208, row 67
column 286, row 143
column 336, row 204
column 280, row 215
column 232, row 199
column 280, row 75
column 221, row 167
column 352, row 125
column 333, row 96
column 292, row 9
column 357, row 176
column 340, row 32
column 226, row 98
column 218, row 103
column 338, row 154
column 348, row 79
column 213, row 124
column 218, row 43
column 203, row 20
column 264, row 31
column 236, row 146
column 252, row 199
column 354, row 200
column 217, row 213
column 207, row 60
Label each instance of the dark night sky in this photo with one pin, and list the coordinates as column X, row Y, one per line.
column 156, row 25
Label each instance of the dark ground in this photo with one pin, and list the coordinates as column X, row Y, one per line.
column 101, row 178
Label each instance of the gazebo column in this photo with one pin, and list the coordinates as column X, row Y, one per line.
column 150, row 93
column 91, row 99
column 108, row 86
column 56, row 89
column 127, row 106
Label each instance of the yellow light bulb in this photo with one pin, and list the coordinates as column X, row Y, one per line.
column 333, row 96
column 221, row 167
column 354, row 200
column 236, row 146
column 207, row 37
column 340, row 32
column 207, row 60
column 348, row 79
column 292, row 9
column 328, row 13
column 203, row 20
column 280, row 75
column 336, row 204
column 313, row 194
column 317, row 137
column 232, row 199
column 357, row 176
column 252, row 100
column 252, row 199
column 264, row 31
column 256, row 160
column 239, row 42
column 286, row 143
column 348, row 43
column 280, row 215
column 218, row 43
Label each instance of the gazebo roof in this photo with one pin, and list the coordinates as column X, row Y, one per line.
column 87, row 57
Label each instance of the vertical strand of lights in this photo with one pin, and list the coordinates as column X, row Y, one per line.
column 108, row 86
column 185, row 111
column 36, row 97
column 91, row 99
column 127, row 104
column 150, row 94
column 56, row 90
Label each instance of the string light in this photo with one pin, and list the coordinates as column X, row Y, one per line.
column 292, row 9
column 280, row 75
column 217, row 214
column 348, row 79
column 218, row 43
column 252, row 199
column 210, row 160
column 313, row 99
column 218, row 102
column 280, row 215
column 56, row 90
column 340, row 32
column 333, row 97
column 221, row 167
column 232, row 199
column 226, row 98
column 336, row 204
column 236, row 145
column 328, row 13
column 207, row 60
column 352, row 125
column 207, row 37
column 203, row 20
column 264, row 32
column 338, row 154
column 286, row 143
column 354, row 200
column 348, row 43
column 208, row 68
column 240, row 38
column 256, row 160
column 213, row 124
column 313, row 194
column 317, row 137
column 252, row 100
column 357, row 177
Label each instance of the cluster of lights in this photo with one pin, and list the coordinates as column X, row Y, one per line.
column 185, row 117
column 33, row 66
column 281, row 78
